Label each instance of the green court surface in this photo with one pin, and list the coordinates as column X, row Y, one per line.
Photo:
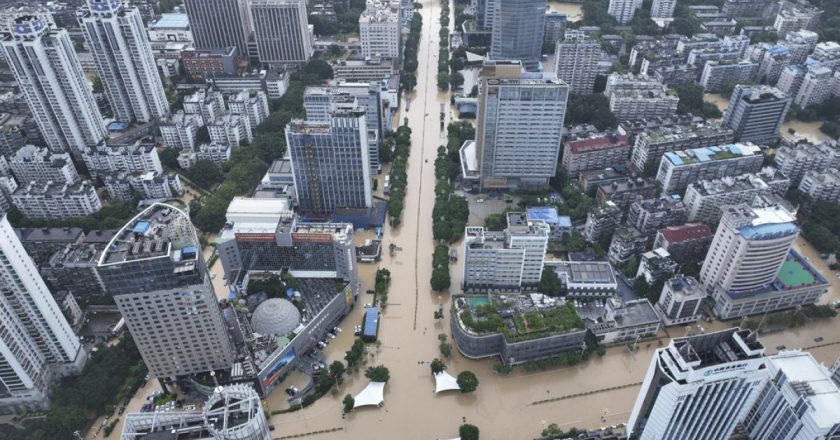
column 793, row 274
column 476, row 301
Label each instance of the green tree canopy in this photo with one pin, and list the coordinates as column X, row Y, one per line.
column 468, row 432
column 378, row 373
column 467, row 381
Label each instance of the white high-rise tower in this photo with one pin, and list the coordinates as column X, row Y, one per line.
column 124, row 59
column 35, row 338
column 51, row 78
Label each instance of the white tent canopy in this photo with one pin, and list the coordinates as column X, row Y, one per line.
column 373, row 394
column 445, row 382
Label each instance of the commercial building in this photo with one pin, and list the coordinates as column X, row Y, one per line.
column 231, row 412
column 699, row 387
column 798, row 402
column 794, row 160
column 137, row 157
column 686, row 243
column 39, row 165
column 517, row 345
column 623, row 193
column 596, row 152
column 586, row 280
column 47, row 69
column 231, row 129
column 282, row 32
column 220, row 23
column 155, row 271
column 172, row 27
column 634, row 97
column 330, row 161
column 374, row 69
column 505, row 260
column 41, row 243
column 517, row 28
column 379, row 29
column 650, row 215
column 717, row 75
column 623, row 10
column 822, row 184
column 681, row 300
column 37, row 345
column 623, row 321
column 601, row 220
column 577, row 59
column 555, row 27
column 756, row 113
column 751, row 268
column 117, row 38
column 678, row 169
column 652, row 144
column 213, row 62
column 180, row 130
column 519, row 126
column 56, row 201
column 705, row 198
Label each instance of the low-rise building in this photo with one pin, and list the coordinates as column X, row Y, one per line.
column 704, row 198
column 822, row 185
column 681, row 300
column 651, row 145
column 214, row 152
column 686, row 243
column 186, row 159
column 623, row 193
column 36, row 164
column 601, row 220
column 374, row 69
column 626, row 242
column 656, row 265
column 561, row 225
column 717, row 75
column 650, row 215
column 516, row 344
column 181, row 130
column 53, row 202
column 586, row 280
column 42, row 243
column 588, row 181
column 73, row 268
column 794, row 160
column 596, row 152
column 678, row 169
column 625, row 322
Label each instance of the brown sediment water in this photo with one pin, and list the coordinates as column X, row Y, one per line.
column 574, row 11
column 801, row 129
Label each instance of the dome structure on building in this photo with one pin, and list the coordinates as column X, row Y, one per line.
column 275, row 316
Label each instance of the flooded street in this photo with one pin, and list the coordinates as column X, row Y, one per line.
column 573, row 11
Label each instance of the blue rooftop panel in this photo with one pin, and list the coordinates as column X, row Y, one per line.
column 676, row 160
column 546, row 213
column 371, row 322
column 140, row 227
column 189, row 250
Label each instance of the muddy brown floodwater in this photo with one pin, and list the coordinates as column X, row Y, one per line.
column 573, row 11
column 503, row 406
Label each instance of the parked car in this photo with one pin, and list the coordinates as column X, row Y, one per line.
column 336, row 330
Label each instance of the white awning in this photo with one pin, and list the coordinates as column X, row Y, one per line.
column 373, row 394
column 445, row 382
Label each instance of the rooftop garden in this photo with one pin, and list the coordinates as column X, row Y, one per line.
column 521, row 325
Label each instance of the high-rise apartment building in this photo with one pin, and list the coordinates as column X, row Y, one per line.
column 53, row 201
column 651, row 144
column 505, row 260
column 138, row 157
column 220, row 24
column 623, row 10
column 756, row 113
column 281, row 30
column 717, row 74
column 639, row 97
column 181, row 130
column 255, row 106
column 662, row 8
column 519, row 126
column 816, row 86
column 330, row 161
column 379, row 29
column 518, row 27
column 156, row 273
column 699, row 387
column 705, row 198
column 120, row 46
column 35, row 338
column 50, row 76
column 577, row 60
column 681, row 300
column 794, row 160
column 822, row 184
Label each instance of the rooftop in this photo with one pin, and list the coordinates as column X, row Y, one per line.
column 686, row 232
column 811, row 381
column 794, row 273
column 518, row 317
column 159, row 231
column 171, row 21
column 598, row 142
column 584, row 272
column 710, row 349
column 709, row 154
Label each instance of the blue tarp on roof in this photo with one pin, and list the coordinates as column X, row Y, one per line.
column 371, row 322
column 546, row 213
column 189, row 250
column 140, row 227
